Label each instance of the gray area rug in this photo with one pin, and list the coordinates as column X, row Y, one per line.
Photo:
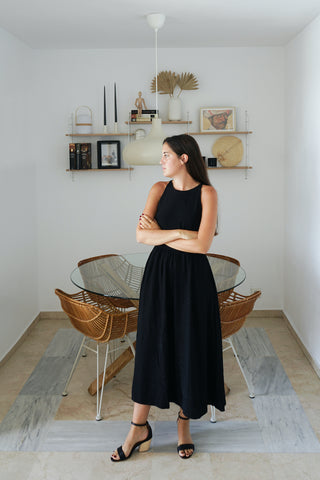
column 281, row 426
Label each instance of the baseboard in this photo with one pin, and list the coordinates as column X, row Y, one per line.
column 266, row 314
column 53, row 316
column 307, row 354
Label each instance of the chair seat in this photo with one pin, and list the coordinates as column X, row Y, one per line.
column 103, row 323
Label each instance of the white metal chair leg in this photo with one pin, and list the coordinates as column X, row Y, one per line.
column 65, row 392
column 250, row 388
column 131, row 344
column 99, row 399
column 213, row 414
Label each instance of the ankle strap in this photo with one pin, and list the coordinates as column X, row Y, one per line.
column 183, row 418
column 139, row 424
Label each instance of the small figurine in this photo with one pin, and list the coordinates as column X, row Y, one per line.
column 140, row 104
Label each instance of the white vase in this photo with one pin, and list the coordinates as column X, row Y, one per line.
column 174, row 110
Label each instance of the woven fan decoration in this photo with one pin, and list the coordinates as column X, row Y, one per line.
column 169, row 81
column 228, row 150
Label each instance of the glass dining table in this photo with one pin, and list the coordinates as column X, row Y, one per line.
column 120, row 276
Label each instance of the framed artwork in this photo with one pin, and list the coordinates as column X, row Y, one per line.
column 108, row 154
column 218, row 119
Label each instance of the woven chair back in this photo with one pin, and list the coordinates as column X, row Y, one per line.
column 101, row 325
column 122, row 303
column 234, row 311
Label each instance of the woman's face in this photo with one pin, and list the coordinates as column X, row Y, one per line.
column 171, row 163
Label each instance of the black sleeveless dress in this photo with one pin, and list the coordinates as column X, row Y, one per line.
column 178, row 352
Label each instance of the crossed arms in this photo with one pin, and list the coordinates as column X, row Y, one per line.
column 149, row 232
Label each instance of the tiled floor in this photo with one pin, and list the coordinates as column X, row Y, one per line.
column 80, row 406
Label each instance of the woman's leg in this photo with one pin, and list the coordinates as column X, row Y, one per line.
column 184, row 436
column 136, row 434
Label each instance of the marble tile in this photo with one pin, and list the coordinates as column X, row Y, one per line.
column 253, row 342
column 49, row 377
column 65, row 344
column 51, row 373
column 25, row 426
column 85, row 436
column 267, row 376
column 106, row 435
column 229, row 436
column 284, row 424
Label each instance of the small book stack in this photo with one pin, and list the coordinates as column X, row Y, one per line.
column 146, row 115
column 80, row 156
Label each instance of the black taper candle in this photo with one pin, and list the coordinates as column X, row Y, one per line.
column 104, row 107
column 115, row 104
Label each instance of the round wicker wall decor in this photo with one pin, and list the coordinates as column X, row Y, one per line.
column 228, row 150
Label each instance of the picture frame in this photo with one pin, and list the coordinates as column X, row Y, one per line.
column 108, row 153
column 217, row 119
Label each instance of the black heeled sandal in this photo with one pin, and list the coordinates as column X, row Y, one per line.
column 184, row 446
column 144, row 445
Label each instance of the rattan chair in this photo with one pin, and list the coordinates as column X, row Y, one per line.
column 124, row 304
column 224, row 295
column 100, row 324
column 233, row 313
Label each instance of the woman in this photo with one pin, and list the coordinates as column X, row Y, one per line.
column 178, row 351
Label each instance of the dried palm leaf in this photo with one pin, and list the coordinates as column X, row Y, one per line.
column 187, row 81
column 167, row 82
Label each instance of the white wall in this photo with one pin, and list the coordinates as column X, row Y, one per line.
column 302, row 200
column 18, row 273
column 97, row 212
column 50, row 221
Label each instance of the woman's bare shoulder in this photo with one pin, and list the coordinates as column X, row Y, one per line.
column 208, row 191
column 159, row 187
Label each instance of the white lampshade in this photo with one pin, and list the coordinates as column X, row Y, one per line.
column 148, row 150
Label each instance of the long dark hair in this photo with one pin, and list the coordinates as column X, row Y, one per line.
column 195, row 165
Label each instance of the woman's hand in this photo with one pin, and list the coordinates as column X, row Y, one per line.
column 148, row 223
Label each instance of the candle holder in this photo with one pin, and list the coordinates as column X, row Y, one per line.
column 105, row 129
column 115, row 129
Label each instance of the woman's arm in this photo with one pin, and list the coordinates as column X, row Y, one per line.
column 148, row 231
column 202, row 242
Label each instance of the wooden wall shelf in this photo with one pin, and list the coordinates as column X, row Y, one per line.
column 229, row 168
column 164, row 122
column 97, row 170
column 219, row 133
column 97, row 134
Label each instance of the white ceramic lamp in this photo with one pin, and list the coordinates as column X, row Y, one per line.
column 147, row 151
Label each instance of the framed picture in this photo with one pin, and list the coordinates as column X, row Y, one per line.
column 219, row 119
column 108, row 154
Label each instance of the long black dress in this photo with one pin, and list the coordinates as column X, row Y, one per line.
column 178, row 352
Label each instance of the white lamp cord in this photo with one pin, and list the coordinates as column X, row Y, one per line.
column 156, row 46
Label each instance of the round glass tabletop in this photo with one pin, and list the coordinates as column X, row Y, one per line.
column 120, row 276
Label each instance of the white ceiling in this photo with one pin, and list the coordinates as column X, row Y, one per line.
column 122, row 23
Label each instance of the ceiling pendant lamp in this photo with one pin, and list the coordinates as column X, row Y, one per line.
column 147, row 151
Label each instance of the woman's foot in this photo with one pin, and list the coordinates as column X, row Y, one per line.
column 185, row 446
column 139, row 435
